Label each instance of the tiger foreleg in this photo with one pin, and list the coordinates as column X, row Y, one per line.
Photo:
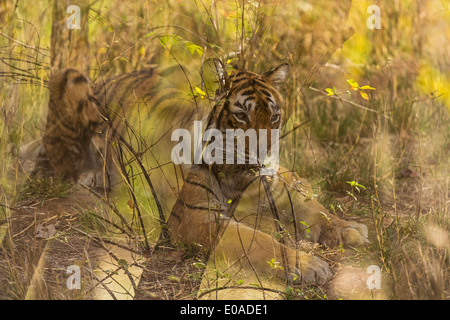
column 254, row 250
column 300, row 213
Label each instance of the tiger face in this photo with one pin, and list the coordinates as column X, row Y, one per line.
column 251, row 103
column 72, row 118
column 71, row 89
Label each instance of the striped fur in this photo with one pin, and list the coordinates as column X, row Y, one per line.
column 208, row 214
column 247, row 101
column 251, row 101
column 141, row 108
column 72, row 118
column 145, row 93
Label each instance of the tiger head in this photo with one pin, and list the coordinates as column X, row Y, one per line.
column 72, row 95
column 250, row 101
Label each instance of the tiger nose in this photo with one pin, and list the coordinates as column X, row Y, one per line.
column 263, row 120
column 93, row 125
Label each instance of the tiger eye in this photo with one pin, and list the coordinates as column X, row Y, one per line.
column 241, row 116
column 275, row 118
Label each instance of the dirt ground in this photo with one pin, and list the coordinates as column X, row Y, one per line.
column 46, row 237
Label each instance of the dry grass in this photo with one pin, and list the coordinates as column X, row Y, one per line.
column 396, row 144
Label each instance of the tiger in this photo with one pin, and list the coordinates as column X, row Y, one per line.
column 206, row 211
column 73, row 115
column 227, row 210
column 214, row 220
column 251, row 102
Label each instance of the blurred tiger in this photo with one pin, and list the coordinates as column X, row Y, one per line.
column 72, row 118
column 139, row 109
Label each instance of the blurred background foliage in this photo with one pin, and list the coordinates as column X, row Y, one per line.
column 394, row 140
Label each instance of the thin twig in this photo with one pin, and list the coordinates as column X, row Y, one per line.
column 349, row 102
column 241, row 287
column 25, row 45
column 295, row 128
column 276, row 216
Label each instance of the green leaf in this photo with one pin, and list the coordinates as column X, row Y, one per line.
column 173, row 278
column 199, row 50
column 194, row 48
column 110, row 272
column 123, row 263
column 275, row 264
column 214, row 46
column 355, row 185
column 164, row 40
column 306, row 225
column 191, row 49
column 353, row 196
column 199, row 265
column 169, row 40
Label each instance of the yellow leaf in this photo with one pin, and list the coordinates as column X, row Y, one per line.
column 329, row 92
column 364, row 95
column 353, row 83
column 200, row 91
column 142, row 52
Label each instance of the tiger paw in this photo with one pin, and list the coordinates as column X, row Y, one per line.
column 87, row 178
column 354, row 234
column 92, row 179
column 312, row 270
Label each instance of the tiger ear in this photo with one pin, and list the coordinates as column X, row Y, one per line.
column 224, row 81
column 278, row 75
column 221, row 72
